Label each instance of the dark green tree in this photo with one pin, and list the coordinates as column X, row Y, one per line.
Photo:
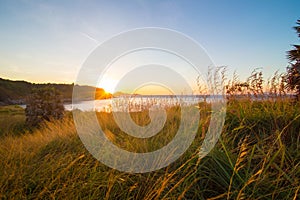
column 43, row 104
column 293, row 71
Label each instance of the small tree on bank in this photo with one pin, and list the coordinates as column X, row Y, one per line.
column 43, row 104
column 293, row 71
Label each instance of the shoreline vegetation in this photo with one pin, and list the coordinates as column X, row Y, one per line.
column 16, row 92
column 254, row 87
column 256, row 157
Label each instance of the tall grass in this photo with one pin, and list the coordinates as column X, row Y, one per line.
column 257, row 156
column 12, row 120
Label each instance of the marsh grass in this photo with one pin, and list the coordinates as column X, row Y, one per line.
column 141, row 145
column 12, row 119
column 257, row 157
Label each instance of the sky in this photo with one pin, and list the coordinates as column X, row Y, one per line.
column 48, row 41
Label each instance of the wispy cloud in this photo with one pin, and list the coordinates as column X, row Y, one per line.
column 89, row 37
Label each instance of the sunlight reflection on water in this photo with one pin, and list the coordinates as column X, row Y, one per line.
column 135, row 104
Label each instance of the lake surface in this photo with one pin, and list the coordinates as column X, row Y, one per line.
column 134, row 104
column 137, row 103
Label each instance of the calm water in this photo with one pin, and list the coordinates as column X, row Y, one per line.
column 136, row 103
column 99, row 105
column 133, row 104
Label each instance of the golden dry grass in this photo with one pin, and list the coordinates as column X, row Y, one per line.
column 257, row 157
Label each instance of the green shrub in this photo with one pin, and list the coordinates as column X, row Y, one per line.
column 43, row 104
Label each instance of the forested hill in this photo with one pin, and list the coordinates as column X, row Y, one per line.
column 15, row 92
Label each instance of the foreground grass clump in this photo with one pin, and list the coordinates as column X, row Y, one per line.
column 257, row 157
column 12, row 119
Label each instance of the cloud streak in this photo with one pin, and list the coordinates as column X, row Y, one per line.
column 89, row 37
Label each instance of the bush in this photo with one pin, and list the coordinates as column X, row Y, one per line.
column 294, row 69
column 43, row 104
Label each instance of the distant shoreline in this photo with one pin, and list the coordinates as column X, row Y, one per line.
column 16, row 92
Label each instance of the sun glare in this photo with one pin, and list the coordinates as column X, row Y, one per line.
column 108, row 84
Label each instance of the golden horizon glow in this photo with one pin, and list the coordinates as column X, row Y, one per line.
column 152, row 89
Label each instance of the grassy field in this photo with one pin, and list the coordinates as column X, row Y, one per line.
column 257, row 157
column 12, row 120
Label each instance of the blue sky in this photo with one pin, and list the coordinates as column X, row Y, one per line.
column 47, row 41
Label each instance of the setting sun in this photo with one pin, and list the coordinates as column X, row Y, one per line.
column 108, row 84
